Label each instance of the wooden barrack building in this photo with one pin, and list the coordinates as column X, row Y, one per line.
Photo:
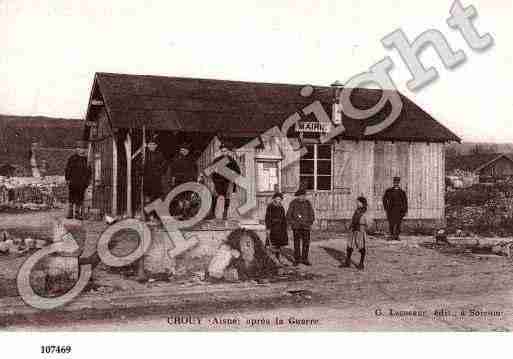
column 204, row 112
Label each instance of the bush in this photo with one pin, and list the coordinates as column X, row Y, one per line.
column 481, row 209
column 472, row 196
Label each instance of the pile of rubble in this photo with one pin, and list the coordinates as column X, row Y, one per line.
column 30, row 193
column 10, row 244
column 493, row 217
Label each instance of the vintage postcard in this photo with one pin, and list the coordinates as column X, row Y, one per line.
column 256, row 166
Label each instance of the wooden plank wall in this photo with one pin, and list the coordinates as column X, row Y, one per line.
column 102, row 144
column 421, row 168
column 206, row 158
column 366, row 168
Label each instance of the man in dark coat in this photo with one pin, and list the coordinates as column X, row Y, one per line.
column 182, row 169
column 395, row 203
column 154, row 167
column 77, row 175
column 276, row 225
column 300, row 217
column 222, row 185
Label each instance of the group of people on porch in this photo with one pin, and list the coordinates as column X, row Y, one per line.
column 161, row 176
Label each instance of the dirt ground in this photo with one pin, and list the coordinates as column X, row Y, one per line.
column 454, row 291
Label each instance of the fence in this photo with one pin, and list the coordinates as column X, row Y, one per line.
column 48, row 195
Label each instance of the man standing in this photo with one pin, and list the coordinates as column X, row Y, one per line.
column 77, row 175
column 395, row 204
column 154, row 167
column 224, row 186
column 183, row 169
column 300, row 217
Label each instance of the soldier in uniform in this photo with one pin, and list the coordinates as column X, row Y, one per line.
column 77, row 175
column 395, row 203
column 300, row 217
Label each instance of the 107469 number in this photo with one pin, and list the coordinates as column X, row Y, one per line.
column 55, row 349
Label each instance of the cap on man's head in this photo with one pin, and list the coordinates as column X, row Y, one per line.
column 397, row 179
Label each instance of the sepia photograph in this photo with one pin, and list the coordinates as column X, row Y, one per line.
column 255, row 166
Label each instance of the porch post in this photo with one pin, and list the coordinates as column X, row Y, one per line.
column 128, row 152
column 141, row 194
column 114, row 206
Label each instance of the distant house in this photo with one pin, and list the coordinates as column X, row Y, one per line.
column 479, row 167
column 19, row 133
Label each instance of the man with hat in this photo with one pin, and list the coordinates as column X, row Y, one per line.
column 300, row 217
column 395, row 203
column 182, row 169
column 77, row 175
column 154, row 168
column 224, row 186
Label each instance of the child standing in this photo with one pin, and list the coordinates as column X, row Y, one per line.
column 358, row 233
column 276, row 225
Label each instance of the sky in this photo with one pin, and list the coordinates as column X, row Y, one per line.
column 49, row 51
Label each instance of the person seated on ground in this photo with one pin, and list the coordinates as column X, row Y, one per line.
column 358, row 233
column 224, row 186
column 276, row 225
column 241, row 257
column 218, row 267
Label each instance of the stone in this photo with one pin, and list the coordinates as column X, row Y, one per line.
column 30, row 243
column 157, row 260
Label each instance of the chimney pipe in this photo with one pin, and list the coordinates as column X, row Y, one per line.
column 336, row 116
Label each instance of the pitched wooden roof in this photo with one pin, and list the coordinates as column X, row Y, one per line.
column 233, row 107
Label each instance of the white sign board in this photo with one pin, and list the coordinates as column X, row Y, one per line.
column 318, row 127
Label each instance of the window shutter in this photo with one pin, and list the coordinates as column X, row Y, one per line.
column 241, row 161
column 290, row 174
column 341, row 165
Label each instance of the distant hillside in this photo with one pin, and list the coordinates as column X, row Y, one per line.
column 17, row 133
column 467, row 148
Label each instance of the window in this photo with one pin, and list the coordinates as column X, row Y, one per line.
column 315, row 167
column 267, row 176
